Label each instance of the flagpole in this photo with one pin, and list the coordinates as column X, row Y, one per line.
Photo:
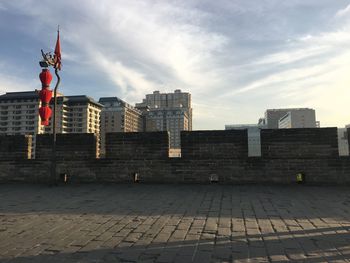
column 54, row 133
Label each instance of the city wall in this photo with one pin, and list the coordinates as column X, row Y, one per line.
column 207, row 157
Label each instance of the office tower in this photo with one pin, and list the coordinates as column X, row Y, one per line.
column 290, row 118
column 168, row 112
column 118, row 116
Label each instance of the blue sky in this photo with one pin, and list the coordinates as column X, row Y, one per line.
column 237, row 58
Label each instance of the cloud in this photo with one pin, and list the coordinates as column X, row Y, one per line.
column 12, row 83
column 168, row 39
column 343, row 12
column 236, row 58
column 132, row 84
column 287, row 57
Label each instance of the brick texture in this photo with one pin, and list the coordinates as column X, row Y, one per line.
column 137, row 145
column 15, row 147
column 207, row 156
column 214, row 144
column 299, row 143
column 68, row 146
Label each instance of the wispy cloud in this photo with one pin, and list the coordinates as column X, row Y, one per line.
column 237, row 58
column 343, row 12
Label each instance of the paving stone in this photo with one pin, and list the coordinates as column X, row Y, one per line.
column 168, row 223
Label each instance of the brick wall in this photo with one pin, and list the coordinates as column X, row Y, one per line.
column 299, row 143
column 137, row 145
column 68, row 146
column 214, row 144
column 15, row 147
column 146, row 155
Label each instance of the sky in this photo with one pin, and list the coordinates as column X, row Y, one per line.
column 237, row 58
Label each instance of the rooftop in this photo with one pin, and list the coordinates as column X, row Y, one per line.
column 20, row 95
column 288, row 109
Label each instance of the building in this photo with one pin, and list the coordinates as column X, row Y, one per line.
column 298, row 119
column 19, row 114
column 118, row 116
column 173, row 120
column 76, row 114
column 254, row 143
column 343, row 141
column 290, row 118
column 168, row 112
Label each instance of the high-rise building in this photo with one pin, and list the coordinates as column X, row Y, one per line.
column 118, row 116
column 19, row 114
column 76, row 114
column 290, row 118
column 173, row 120
column 168, row 112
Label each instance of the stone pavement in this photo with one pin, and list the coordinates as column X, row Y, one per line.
column 174, row 223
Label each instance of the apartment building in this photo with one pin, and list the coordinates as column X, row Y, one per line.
column 168, row 112
column 118, row 116
column 174, row 121
column 19, row 114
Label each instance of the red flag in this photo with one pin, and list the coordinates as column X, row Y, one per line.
column 58, row 52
